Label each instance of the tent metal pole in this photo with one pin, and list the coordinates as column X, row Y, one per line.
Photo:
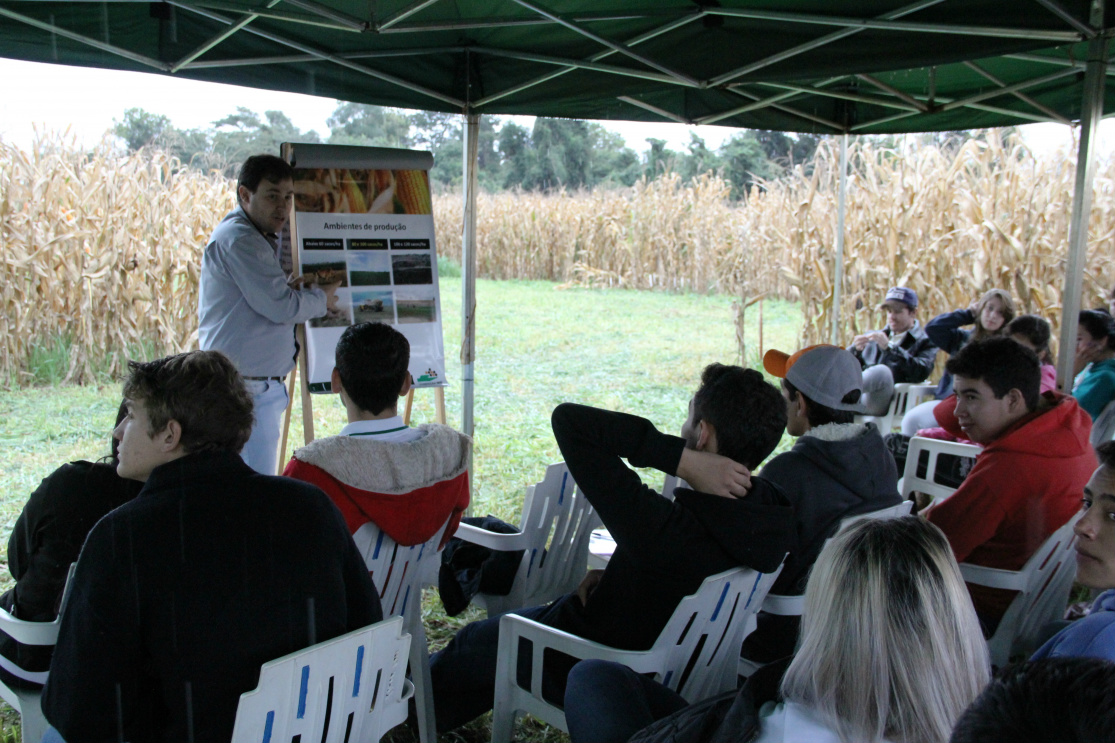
column 1090, row 113
column 838, row 274
column 468, row 271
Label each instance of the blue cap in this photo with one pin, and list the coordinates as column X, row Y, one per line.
column 902, row 294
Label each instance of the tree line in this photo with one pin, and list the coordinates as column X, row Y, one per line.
column 554, row 154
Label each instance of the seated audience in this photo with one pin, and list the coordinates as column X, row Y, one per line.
column 182, row 593
column 1094, row 635
column 837, row 468
column 1027, row 480
column 664, row 549
column 989, row 314
column 1068, row 700
column 47, row 539
column 1095, row 362
column 407, row 481
column 900, row 352
column 890, row 651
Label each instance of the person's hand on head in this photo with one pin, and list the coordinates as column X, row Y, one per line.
column 295, row 282
column 713, row 473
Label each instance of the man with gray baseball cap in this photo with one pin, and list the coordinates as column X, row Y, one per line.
column 900, row 352
column 836, row 468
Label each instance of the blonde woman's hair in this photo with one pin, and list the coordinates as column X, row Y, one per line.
column 890, row 644
column 1008, row 313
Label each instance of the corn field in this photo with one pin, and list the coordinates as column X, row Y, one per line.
column 100, row 250
column 104, row 250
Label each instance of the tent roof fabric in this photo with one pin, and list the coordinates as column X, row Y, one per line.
column 824, row 66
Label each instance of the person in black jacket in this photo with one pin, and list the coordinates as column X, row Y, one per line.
column 837, row 468
column 900, row 352
column 181, row 594
column 664, row 549
column 47, row 539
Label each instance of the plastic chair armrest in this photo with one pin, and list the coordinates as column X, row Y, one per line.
column 785, row 606
column 993, row 577
column 29, row 633
column 492, row 540
column 545, row 637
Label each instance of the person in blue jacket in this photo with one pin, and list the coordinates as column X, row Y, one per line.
column 1094, row 635
column 989, row 316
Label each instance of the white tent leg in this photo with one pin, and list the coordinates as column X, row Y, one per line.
column 468, row 271
column 838, row 273
column 1091, row 111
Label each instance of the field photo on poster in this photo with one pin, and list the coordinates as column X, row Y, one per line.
column 373, row 307
column 369, row 269
column 412, row 268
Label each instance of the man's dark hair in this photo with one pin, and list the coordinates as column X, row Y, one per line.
column 818, row 414
column 372, row 360
column 1105, row 453
column 748, row 412
column 1003, row 365
column 259, row 167
column 1099, row 325
column 202, row 391
column 1068, row 700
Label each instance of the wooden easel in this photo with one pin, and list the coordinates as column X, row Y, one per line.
column 439, row 405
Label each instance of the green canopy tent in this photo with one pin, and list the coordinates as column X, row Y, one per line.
column 825, row 66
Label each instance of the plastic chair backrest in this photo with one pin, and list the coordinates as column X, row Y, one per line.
column 351, row 689
column 556, row 527
column 32, row 724
column 912, row 482
column 1043, row 583
column 397, row 570
column 701, row 642
column 1103, row 427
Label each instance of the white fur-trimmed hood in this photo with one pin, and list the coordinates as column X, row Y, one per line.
column 387, row 467
column 837, row 431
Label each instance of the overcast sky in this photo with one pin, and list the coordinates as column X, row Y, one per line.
column 86, row 101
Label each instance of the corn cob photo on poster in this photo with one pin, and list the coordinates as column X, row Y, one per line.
column 368, row 226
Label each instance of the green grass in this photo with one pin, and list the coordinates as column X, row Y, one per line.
column 537, row 345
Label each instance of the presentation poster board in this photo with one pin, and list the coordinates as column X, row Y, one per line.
column 363, row 217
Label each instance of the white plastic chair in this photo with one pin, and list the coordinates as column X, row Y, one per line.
column 601, row 545
column 1043, row 584
column 927, row 484
column 32, row 724
column 906, row 397
column 399, row 572
column 554, row 533
column 695, row 654
column 794, row 606
column 351, row 689
column 1103, row 427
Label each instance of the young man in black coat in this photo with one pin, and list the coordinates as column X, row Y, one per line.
column 664, row 549
column 181, row 594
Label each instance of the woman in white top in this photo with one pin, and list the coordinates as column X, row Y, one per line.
column 891, row 652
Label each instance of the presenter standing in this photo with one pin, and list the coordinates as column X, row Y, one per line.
column 247, row 305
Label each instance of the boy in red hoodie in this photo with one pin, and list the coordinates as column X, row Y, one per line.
column 407, row 481
column 1026, row 483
